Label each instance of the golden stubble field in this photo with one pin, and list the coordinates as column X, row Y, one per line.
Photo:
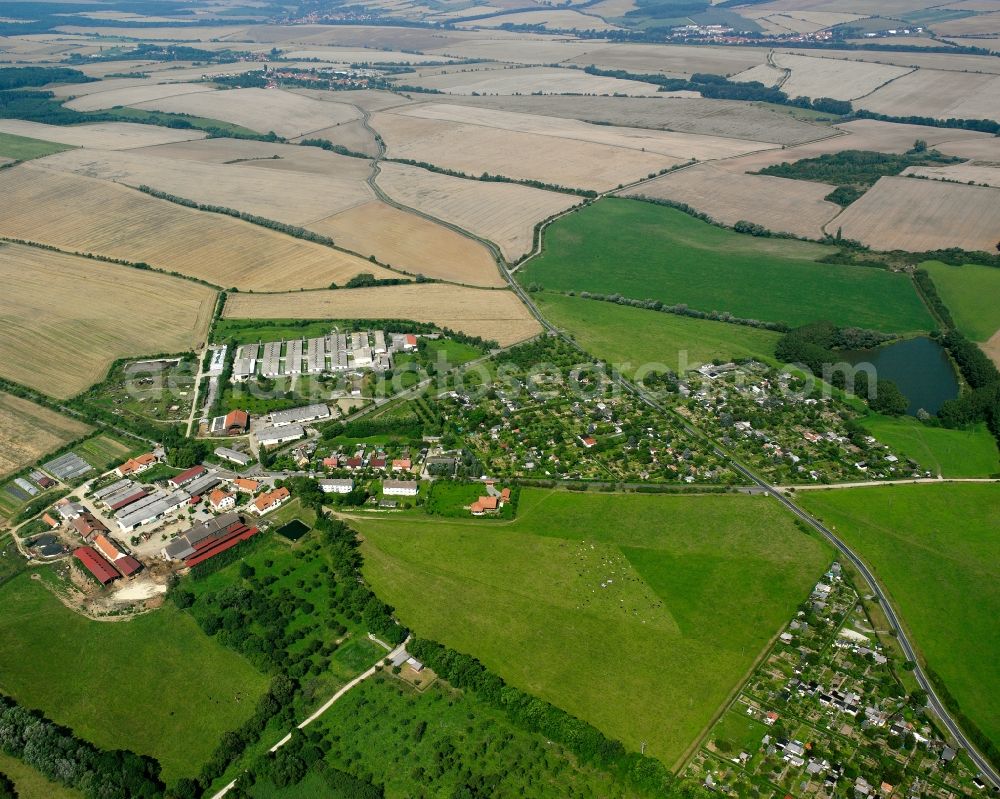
column 503, row 213
column 900, row 213
column 28, row 431
column 490, row 313
column 411, row 243
column 70, row 317
column 100, row 136
column 81, row 214
column 788, row 206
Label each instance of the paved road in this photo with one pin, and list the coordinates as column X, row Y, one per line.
column 988, row 772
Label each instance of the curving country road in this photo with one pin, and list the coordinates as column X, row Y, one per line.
column 989, row 773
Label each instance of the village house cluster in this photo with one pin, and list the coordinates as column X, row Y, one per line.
column 790, row 434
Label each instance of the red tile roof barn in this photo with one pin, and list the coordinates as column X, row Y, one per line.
column 128, row 565
column 188, row 475
column 109, row 550
column 237, row 422
column 96, row 565
column 135, row 496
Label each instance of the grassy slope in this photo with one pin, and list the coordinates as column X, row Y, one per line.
column 937, row 549
column 155, row 684
column 21, row 148
column 31, row 784
column 952, row 453
column 623, row 335
column 971, row 293
column 644, row 251
column 704, row 583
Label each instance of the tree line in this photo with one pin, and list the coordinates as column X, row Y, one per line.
column 58, row 754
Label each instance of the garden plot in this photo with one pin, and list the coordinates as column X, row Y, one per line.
column 909, row 214
column 411, row 243
column 503, row 213
column 100, row 136
column 489, row 313
column 786, row 206
column 66, row 324
column 119, row 222
column 263, row 110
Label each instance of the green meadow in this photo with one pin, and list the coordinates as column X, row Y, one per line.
column 32, row 784
column 646, row 251
column 949, row 453
column 22, row 148
column 622, row 335
column 155, row 684
column 638, row 613
column 972, row 294
column 936, row 549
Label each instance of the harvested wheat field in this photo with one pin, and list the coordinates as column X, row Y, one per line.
column 28, row 431
column 263, row 110
column 503, row 213
column 352, row 135
column 292, row 197
column 107, row 85
column 120, row 222
column 910, row 214
column 673, row 59
column 861, row 134
column 830, row 77
column 979, row 173
column 532, row 80
column 101, row 136
column 762, row 73
column 66, row 321
column 523, row 51
column 555, row 19
column 727, row 118
column 786, row 206
column 676, row 145
column 411, row 243
column 490, row 313
column 938, row 94
column 361, row 55
column 474, row 149
column 131, row 95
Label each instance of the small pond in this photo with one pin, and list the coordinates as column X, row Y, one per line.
column 919, row 366
column 294, row 530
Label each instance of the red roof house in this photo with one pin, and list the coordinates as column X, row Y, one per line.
column 96, row 565
column 237, row 423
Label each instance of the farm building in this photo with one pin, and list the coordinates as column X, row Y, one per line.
column 69, row 510
column 270, row 500
column 400, row 488
column 102, row 571
column 203, row 484
column 222, row 500
column 87, row 525
column 149, row 509
column 237, row 423
column 273, row 436
column 307, row 413
column 67, row 467
column 231, row 455
column 207, row 540
column 128, row 565
column 186, row 476
column 136, row 465
column 103, row 545
column 336, row 486
column 126, row 497
column 108, row 490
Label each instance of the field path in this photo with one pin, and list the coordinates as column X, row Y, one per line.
column 323, row 708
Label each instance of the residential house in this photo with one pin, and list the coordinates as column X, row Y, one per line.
column 270, row 500
column 136, row 465
column 245, row 485
column 402, row 488
column 336, row 486
column 221, row 500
